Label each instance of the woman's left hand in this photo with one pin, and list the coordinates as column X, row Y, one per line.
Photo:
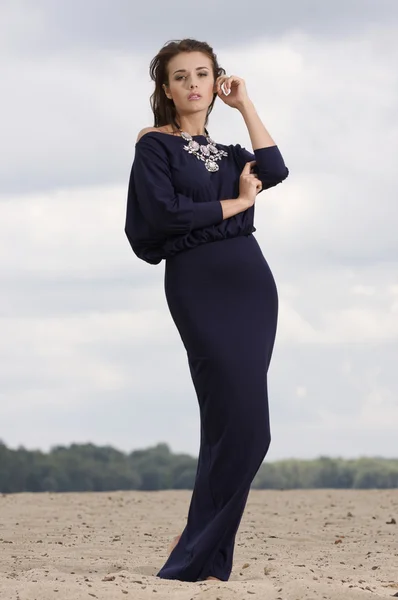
column 238, row 93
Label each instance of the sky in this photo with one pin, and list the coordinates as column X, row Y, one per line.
column 89, row 351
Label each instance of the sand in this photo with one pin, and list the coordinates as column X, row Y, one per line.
column 291, row 545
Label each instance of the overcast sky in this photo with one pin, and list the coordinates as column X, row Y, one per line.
column 88, row 351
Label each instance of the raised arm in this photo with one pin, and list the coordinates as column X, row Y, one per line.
column 270, row 168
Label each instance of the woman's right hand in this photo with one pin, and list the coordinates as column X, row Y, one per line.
column 249, row 185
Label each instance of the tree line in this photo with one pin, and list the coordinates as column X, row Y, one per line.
column 87, row 467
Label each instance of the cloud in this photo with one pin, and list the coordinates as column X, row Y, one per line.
column 53, row 27
column 89, row 349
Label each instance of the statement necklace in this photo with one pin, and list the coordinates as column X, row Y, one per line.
column 208, row 154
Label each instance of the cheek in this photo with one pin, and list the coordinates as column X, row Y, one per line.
column 176, row 92
column 212, row 87
column 180, row 96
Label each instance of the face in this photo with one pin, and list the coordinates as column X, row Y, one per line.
column 190, row 72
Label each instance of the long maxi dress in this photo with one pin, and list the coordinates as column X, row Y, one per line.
column 223, row 300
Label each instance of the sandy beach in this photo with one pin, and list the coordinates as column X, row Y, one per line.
column 291, row 545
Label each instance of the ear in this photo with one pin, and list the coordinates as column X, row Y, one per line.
column 164, row 86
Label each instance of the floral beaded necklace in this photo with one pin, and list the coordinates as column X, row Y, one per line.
column 209, row 153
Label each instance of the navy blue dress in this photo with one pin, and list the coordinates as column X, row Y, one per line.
column 223, row 300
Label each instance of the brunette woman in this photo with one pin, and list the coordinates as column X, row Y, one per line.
column 191, row 203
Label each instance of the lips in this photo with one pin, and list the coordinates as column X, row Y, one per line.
column 194, row 97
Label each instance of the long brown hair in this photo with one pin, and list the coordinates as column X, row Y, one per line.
column 163, row 108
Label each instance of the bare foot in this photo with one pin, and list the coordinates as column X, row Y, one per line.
column 173, row 544
column 213, row 578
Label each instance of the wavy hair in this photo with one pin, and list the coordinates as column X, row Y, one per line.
column 164, row 110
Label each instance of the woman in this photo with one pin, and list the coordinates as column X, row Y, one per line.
column 191, row 203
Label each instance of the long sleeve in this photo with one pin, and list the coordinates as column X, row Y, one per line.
column 270, row 167
column 165, row 210
column 174, row 203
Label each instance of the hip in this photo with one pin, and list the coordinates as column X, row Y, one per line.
column 232, row 265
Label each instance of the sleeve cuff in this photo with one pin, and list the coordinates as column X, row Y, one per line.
column 270, row 162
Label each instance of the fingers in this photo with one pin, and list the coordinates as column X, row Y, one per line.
column 247, row 175
column 247, row 167
column 220, row 81
column 225, row 82
column 224, row 89
column 254, row 180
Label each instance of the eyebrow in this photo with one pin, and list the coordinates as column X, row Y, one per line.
column 184, row 70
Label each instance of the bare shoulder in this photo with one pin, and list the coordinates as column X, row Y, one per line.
column 146, row 130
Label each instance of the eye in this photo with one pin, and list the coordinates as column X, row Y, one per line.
column 178, row 77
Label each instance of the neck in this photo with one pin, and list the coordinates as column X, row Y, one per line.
column 192, row 124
